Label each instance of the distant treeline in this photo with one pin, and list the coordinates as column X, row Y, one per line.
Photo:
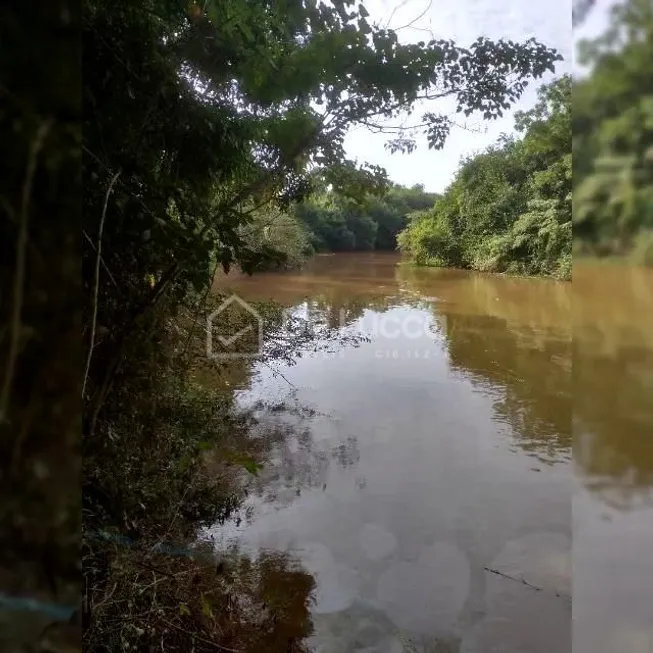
column 330, row 221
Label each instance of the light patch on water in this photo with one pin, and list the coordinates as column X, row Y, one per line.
column 317, row 557
column 336, row 584
column 632, row 639
column 361, row 628
column 522, row 618
column 376, row 542
column 336, row 590
column 541, row 559
column 391, row 646
column 495, row 636
column 428, row 595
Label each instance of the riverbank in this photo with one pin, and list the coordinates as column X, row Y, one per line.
column 566, row 277
column 170, row 454
column 235, row 276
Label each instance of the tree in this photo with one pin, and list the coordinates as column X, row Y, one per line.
column 279, row 237
column 613, row 137
column 509, row 208
column 40, row 313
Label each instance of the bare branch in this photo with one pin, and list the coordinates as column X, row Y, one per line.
column 392, row 15
column 398, row 129
column 412, row 22
column 97, row 280
column 201, row 639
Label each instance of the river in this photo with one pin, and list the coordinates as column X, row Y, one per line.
column 430, row 489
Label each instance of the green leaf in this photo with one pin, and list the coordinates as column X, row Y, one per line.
column 246, row 31
column 183, row 610
column 251, row 466
column 207, row 610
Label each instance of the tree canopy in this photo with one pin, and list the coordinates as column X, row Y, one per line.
column 613, row 137
column 338, row 223
column 509, row 207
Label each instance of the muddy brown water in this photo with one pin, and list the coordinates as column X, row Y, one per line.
column 431, row 490
column 613, row 457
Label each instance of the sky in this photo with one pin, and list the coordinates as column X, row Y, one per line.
column 549, row 21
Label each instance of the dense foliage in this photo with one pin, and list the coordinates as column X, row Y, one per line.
column 332, row 221
column 336, row 223
column 613, row 138
column 508, row 208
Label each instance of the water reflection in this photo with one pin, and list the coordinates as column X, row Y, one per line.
column 296, row 462
column 511, row 337
column 342, row 311
column 613, row 393
column 273, row 612
column 415, row 473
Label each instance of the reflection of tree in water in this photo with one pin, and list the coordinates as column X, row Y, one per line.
column 613, row 401
column 195, row 601
column 343, row 311
column 353, row 268
column 338, row 313
column 540, row 303
column 514, row 334
column 613, row 381
column 363, row 627
column 347, row 452
column 275, row 594
column 295, row 462
column 535, row 381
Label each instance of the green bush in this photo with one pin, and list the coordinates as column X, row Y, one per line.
column 613, row 137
